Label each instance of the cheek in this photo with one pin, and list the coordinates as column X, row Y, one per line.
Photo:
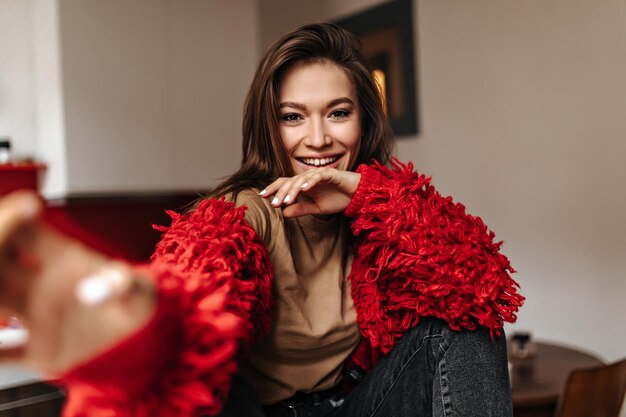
column 288, row 138
column 349, row 135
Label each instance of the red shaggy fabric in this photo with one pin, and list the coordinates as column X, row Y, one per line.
column 419, row 254
column 215, row 243
column 214, row 279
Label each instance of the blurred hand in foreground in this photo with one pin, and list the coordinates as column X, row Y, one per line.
column 73, row 301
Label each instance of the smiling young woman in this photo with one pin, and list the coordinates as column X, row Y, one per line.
column 264, row 158
column 324, row 278
column 320, row 118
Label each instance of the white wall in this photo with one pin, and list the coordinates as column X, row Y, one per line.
column 31, row 103
column 16, row 75
column 522, row 118
column 49, row 109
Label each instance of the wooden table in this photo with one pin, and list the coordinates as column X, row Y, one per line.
column 537, row 382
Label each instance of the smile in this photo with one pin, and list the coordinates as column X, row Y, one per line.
column 319, row 162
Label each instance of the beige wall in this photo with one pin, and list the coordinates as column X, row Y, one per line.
column 127, row 96
column 155, row 85
column 154, row 90
column 523, row 111
column 523, row 119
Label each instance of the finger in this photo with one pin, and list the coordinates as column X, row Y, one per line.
column 295, row 187
column 278, row 191
column 12, row 343
column 272, row 188
column 282, row 194
column 18, row 267
column 17, row 209
column 14, row 285
column 111, row 281
column 15, row 354
column 286, row 190
column 315, row 178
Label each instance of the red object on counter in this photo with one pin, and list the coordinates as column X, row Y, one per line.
column 20, row 176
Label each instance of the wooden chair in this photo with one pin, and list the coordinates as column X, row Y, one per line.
column 594, row 392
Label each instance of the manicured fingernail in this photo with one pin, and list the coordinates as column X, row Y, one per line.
column 99, row 287
column 263, row 192
column 286, row 200
column 275, row 201
column 93, row 290
column 306, row 184
column 13, row 338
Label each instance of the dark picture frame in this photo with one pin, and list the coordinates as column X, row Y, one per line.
column 386, row 35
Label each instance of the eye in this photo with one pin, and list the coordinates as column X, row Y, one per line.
column 291, row 117
column 340, row 114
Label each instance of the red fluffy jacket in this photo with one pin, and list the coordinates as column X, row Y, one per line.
column 417, row 254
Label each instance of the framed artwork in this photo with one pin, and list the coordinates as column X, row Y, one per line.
column 386, row 35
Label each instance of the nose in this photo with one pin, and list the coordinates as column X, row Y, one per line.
column 316, row 136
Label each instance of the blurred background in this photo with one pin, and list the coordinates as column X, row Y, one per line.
column 521, row 112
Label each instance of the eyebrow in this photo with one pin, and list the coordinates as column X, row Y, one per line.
column 330, row 104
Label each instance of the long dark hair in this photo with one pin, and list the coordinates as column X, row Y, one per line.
column 264, row 158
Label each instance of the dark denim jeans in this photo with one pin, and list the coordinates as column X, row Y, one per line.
column 432, row 371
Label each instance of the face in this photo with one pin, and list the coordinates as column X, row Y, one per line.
column 320, row 119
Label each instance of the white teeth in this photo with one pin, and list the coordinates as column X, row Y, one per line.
column 319, row 161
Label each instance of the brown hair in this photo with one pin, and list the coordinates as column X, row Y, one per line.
column 264, row 158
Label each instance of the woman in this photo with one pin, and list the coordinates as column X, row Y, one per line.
column 325, row 283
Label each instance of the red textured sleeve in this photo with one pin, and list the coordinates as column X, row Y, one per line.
column 214, row 280
column 420, row 254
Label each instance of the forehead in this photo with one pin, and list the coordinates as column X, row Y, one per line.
column 316, row 79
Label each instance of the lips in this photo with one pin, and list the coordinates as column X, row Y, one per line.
column 319, row 162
